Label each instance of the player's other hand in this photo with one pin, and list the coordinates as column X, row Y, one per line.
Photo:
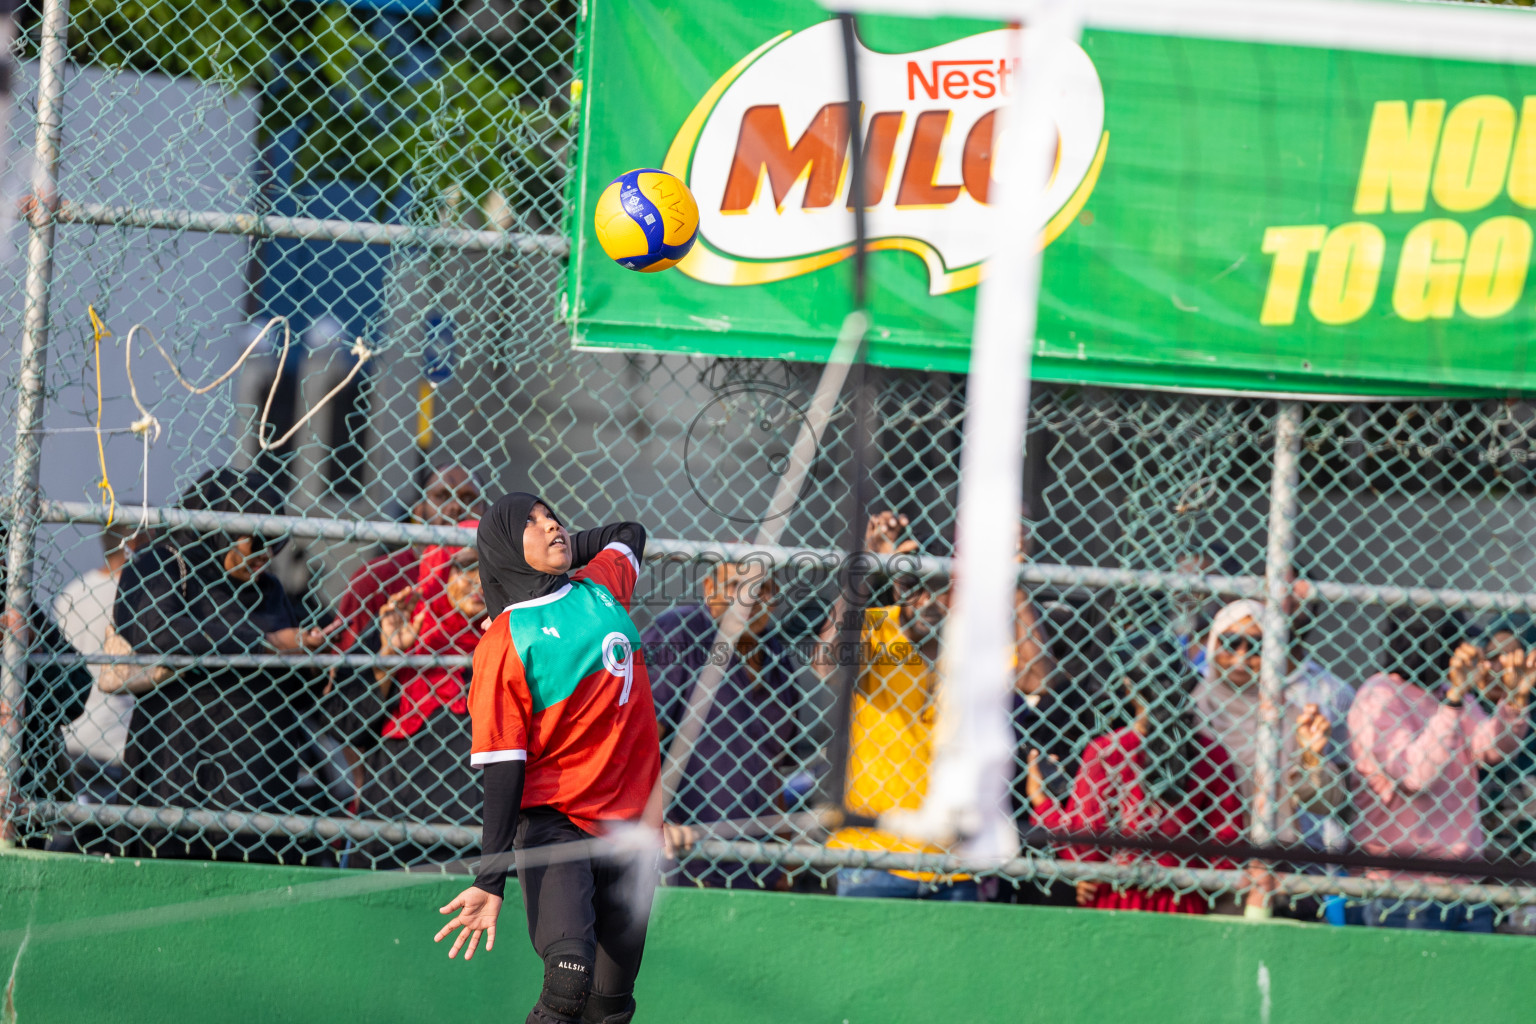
column 1087, row 891
column 476, row 916
column 1524, row 683
column 400, row 621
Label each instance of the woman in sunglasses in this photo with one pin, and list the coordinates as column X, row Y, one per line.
column 219, row 738
column 1312, row 727
column 1313, row 715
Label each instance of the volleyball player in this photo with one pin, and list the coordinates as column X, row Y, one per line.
column 565, row 732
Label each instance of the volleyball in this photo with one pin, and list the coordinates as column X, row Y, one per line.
column 646, row 220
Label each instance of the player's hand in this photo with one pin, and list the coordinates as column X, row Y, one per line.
column 881, row 533
column 477, row 911
column 1086, row 891
column 676, row 839
column 1467, row 665
column 1503, row 678
column 1312, row 731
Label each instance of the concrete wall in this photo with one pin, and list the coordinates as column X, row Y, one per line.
column 94, row 940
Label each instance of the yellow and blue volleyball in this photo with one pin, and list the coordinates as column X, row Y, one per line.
column 646, row 220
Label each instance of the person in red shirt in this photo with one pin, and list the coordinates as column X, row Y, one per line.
column 1160, row 776
column 451, row 493
column 420, row 770
column 564, row 730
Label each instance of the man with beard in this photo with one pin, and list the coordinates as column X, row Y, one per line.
column 451, row 494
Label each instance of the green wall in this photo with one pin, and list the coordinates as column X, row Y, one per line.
column 94, row 940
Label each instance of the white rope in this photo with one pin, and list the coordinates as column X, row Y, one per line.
column 147, row 421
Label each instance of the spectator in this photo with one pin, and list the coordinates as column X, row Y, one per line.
column 1313, row 725
column 1051, row 711
column 55, row 693
column 1418, row 746
column 1161, row 776
column 1506, row 787
column 1048, row 712
column 451, row 493
column 93, row 741
column 215, row 737
column 420, row 772
column 733, row 771
column 891, row 721
column 83, row 609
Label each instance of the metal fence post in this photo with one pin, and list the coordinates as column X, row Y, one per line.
column 1274, row 664
column 30, row 392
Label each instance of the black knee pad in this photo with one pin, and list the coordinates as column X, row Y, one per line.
column 567, row 980
column 606, row 1009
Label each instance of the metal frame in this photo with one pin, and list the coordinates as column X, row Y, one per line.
column 31, row 392
column 1360, row 24
column 662, row 549
column 256, row 225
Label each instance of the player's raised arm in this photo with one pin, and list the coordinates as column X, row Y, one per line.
column 588, row 544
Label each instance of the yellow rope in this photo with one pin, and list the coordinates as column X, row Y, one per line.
column 99, row 329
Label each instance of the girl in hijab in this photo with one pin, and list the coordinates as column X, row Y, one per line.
column 1161, row 776
column 216, row 738
column 420, row 772
column 1313, row 724
column 565, row 733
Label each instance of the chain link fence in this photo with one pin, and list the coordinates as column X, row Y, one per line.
column 1236, row 614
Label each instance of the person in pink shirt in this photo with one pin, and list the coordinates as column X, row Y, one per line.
column 1418, row 744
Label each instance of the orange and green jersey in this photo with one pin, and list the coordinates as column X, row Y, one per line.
column 890, row 743
column 559, row 682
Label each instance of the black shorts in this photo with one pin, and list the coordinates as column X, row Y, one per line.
column 603, row 900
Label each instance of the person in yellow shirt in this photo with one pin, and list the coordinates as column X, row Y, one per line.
column 892, row 716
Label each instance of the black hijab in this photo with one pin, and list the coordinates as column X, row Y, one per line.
column 505, row 575
column 231, row 491
column 1155, row 669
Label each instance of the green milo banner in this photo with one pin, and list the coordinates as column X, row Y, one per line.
column 1221, row 215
